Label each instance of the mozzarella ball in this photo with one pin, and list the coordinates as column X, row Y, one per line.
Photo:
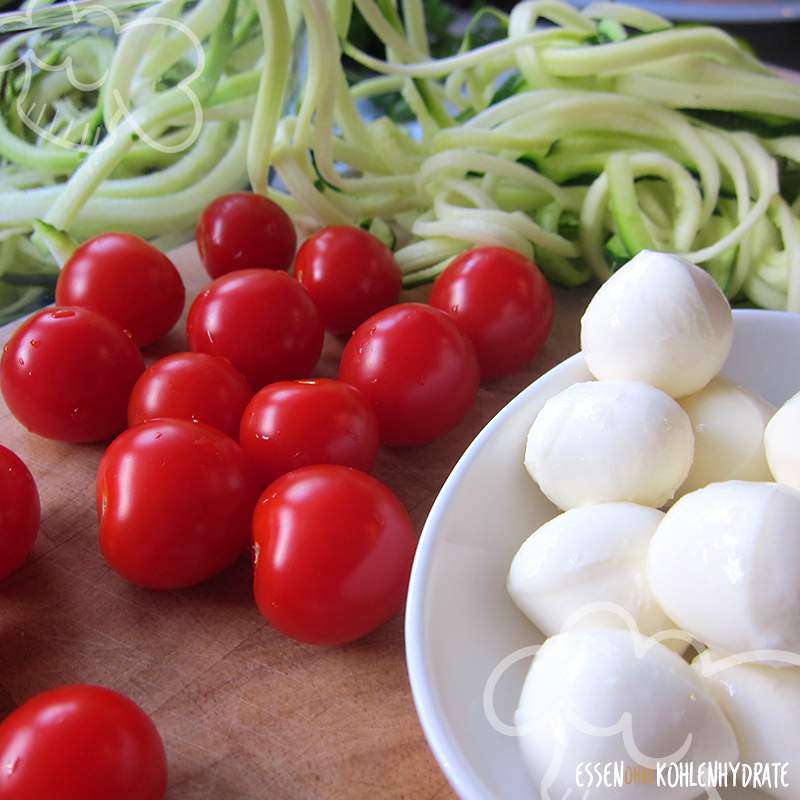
column 660, row 320
column 725, row 566
column 782, row 442
column 761, row 704
column 609, row 441
column 589, row 555
column 583, row 683
column 728, row 424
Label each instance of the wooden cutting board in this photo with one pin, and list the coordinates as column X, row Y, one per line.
column 246, row 714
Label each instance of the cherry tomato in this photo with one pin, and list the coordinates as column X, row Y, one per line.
column 349, row 274
column 127, row 280
column 20, row 512
column 262, row 321
column 81, row 743
column 416, row 368
column 296, row 423
column 192, row 386
column 174, row 499
column 500, row 301
column 67, row 374
column 245, row 231
column 333, row 553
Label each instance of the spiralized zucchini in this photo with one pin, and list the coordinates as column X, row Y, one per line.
column 587, row 162
column 577, row 139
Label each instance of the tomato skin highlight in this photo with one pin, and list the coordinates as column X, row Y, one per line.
column 191, row 386
column 333, row 554
column 174, row 500
column 67, row 374
column 243, row 230
column 501, row 302
column 350, row 275
column 293, row 424
column 81, row 743
column 416, row 368
column 127, row 280
column 20, row 512
column 262, row 321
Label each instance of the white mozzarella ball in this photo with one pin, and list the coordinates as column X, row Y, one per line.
column 782, row 441
column 610, row 441
column 761, row 703
column 583, row 684
column 725, row 566
column 596, row 554
column 728, row 423
column 660, row 320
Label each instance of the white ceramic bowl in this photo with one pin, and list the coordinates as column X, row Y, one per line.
column 460, row 622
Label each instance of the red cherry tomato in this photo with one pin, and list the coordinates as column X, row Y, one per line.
column 500, row 301
column 245, row 231
column 20, row 512
column 416, row 368
column 333, row 553
column 349, row 274
column 191, row 386
column 296, row 423
column 262, row 321
column 67, row 374
column 127, row 280
column 174, row 499
column 81, row 743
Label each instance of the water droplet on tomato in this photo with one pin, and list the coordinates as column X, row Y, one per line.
column 35, row 343
column 61, row 313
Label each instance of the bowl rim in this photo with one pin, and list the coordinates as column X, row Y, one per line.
column 719, row 13
column 452, row 761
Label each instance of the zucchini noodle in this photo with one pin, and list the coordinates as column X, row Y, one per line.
column 576, row 138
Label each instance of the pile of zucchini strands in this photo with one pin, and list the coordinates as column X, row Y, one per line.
column 577, row 140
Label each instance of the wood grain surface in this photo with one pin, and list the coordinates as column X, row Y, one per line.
column 246, row 714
